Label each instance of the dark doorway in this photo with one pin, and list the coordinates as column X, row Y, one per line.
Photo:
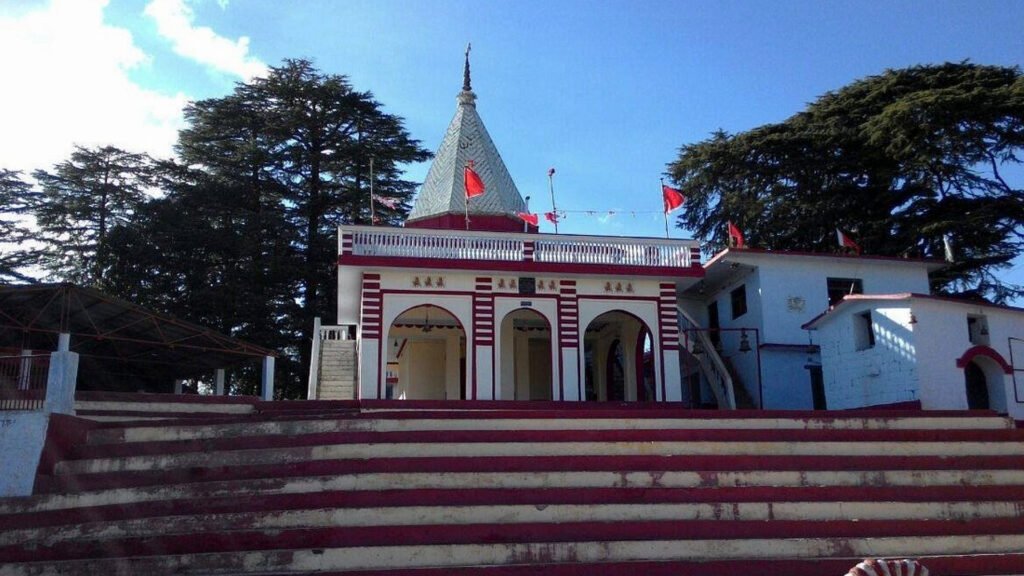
column 616, row 376
column 977, row 387
column 714, row 325
column 817, row 387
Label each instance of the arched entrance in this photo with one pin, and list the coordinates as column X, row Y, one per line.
column 618, row 359
column 526, row 364
column 426, row 356
column 977, row 387
column 985, row 372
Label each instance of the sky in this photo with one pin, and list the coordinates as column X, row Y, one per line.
column 604, row 91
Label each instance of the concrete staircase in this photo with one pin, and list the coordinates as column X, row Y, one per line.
column 514, row 488
column 337, row 370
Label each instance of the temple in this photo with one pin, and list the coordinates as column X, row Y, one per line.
column 468, row 302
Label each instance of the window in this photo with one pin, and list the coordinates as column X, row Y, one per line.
column 839, row 287
column 863, row 335
column 977, row 330
column 738, row 297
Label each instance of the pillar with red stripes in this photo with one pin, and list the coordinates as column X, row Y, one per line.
column 481, row 386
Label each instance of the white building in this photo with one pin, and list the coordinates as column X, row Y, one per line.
column 759, row 301
column 939, row 352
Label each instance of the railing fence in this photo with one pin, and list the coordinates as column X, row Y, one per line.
column 23, row 381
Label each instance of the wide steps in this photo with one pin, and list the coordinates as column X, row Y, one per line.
column 497, row 488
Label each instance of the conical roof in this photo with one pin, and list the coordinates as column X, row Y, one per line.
column 467, row 139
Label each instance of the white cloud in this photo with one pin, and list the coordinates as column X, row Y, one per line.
column 67, row 83
column 174, row 21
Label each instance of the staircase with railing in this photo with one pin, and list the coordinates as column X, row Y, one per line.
column 333, row 365
column 712, row 367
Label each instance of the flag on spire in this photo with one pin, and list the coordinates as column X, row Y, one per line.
column 551, row 217
column 673, row 198
column 847, row 242
column 736, row 237
column 474, row 185
column 530, row 219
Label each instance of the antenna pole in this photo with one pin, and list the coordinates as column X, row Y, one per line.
column 373, row 217
column 551, row 188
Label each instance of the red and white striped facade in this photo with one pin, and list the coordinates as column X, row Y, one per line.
column 476, row 281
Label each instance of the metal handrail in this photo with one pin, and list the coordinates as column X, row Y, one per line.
column 711, row 363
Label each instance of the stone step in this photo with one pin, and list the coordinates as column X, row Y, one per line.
column 295, row 454
column 381, row 490
column 401, row 422
column 873, row 470
column 341, row 549
column 882, row 437
column 510, row 514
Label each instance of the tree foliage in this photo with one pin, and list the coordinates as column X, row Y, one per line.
column 899, row 160
column 82, row 200
column 244, row 238
column 17, row 200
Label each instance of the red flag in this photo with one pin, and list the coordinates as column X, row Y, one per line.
column 530, row 219
column 673, row 198
column 847, row 242
column 736, row 237
column 474, row 185
column 551, row 217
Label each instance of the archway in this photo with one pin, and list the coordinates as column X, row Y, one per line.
column 526, row 362
column 977, row 387
column 618, row 359
column 985, row 372
column 984, row 382
column 426, row 356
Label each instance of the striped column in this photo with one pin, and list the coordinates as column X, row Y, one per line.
column 346, row 243
column 370, row 380
column 528, row 248
column 483, row 340
column 569, row 341
column 668, row 328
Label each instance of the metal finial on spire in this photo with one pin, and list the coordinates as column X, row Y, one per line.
column 466, row 85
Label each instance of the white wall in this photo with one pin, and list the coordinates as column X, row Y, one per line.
column 794, row 290
column 22, row 435
column 886, row 373
column 942, row 326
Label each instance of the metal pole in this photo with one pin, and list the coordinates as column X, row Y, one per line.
column 551, row 188
column 373, row 217
column 664, row 209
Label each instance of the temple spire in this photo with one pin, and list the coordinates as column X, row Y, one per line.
column 466, row 84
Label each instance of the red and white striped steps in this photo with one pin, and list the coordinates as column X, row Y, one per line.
column 535, row 489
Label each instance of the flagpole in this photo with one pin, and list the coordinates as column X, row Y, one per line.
column 466, row 196
column 373, row 217
column 666, row 209
column 551, row 188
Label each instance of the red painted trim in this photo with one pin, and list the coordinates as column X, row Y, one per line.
column 620, row 298
column 987, row 352
column 481, row 222
column 910, row 405
column 64, row 434
column 528, row 267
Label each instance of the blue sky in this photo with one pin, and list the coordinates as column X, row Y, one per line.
column 604, row 91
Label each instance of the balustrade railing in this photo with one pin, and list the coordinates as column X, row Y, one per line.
column 23, row 381
column 505, row 247
column 616, row 252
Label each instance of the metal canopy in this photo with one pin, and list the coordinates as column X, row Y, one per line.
column 121, row 345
